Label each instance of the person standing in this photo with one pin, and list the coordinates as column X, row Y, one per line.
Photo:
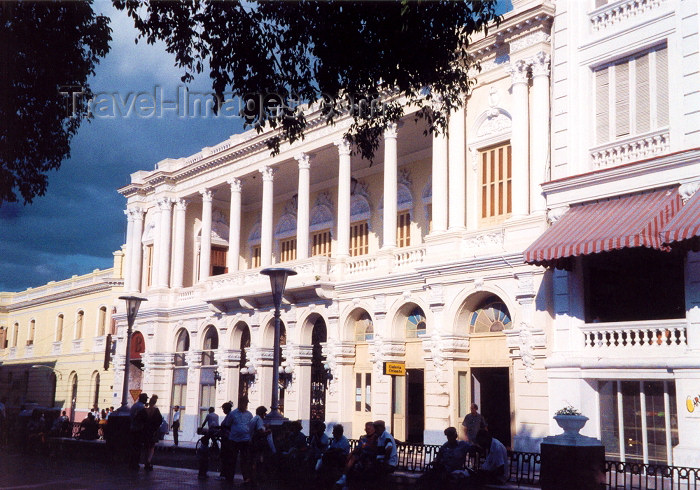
column 240, row 441
column 211, row 421
column 176, row 423
column 153, row 419
column 135, row 431
column 473, row 423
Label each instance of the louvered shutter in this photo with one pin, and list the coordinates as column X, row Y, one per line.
column 622, row 99
column 602, row 107
column 642, row 92
column 662, row 87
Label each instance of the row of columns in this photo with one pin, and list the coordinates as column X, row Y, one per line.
column 162, row 243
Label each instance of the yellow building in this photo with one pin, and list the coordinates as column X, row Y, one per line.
column 53, row 341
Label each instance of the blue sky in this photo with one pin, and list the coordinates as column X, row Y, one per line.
column 79, row 222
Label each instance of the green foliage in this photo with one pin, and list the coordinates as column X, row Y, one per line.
column 567, row 410
column 45, row 47
column 343, row 53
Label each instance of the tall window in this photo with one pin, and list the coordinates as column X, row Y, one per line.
column 101, row 321
column 495, row 181
column 632, row 96
column 149, row 265
column 3, row 338
column 359, row 239
column 321, row 243
column 15, row 334
column 96, row 395
column 363, row 392
column 403, row 229
column 218, row 261
column 207, row 386
column 288, row 249
column 364, row 328
column 244, row 346
column 179, row 393
column 255, row 256
column 79, row 325
column 59, row 328
column 32, row 329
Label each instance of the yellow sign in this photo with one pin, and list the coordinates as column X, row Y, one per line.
column 395, row 368
column 135, row 394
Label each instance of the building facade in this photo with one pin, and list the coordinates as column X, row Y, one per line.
column 415, row 258
column 53, row 340
column 625, row 167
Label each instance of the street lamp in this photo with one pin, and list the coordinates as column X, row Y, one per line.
column 278, row 281
column 132, row 308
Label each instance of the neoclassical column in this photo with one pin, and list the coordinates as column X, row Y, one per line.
column 439, row 182
column 519, row 140
column 303, row 206
column 137, row 249
column 179, row 245
column 234, row 234
column 539, row 137
column 129, row 249
column 266, row 225
column 390, row 185
column 166, row 209
column 155, row 265
column 205, row 238
column 457, row 158
column 344, row 178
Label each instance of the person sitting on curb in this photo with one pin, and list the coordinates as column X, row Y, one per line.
column 451, row 458
column 363, row 456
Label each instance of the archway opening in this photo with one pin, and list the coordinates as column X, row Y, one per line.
column 318, row 372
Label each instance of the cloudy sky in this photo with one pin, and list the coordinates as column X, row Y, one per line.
column 76, row 226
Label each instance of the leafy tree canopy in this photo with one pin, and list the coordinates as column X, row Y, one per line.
column 45, row 48
column 345, row 54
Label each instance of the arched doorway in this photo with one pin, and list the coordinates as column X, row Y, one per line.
column 207, row 381
column 318, row 372
column 486, row 317
column 73, row 396
column 243, row 345
column 179, row 390
column 360, row 327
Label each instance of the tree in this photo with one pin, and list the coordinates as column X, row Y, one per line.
column 346, row 55
column 47, row 52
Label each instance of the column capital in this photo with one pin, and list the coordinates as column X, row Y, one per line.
column 181, row 204
column 164, row 203
column 518, row 71
column 540, row 64
column 304, row 160
column 207, row 195
column 129, row 213
column 392, row 130
column 136, row 213
column 235, row 184
column 267, row 173
column 343, row 146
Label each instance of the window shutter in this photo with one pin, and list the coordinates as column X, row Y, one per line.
column 643, row 103
column 662, row 87
column 602, row 113
column 622, row 99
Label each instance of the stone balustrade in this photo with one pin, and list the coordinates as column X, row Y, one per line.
column 616, row 12
column 646, row 336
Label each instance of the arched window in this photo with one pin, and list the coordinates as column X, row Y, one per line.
column 101, row 321
column 415, row 323
column 207, row 383
column 364, row 328
column 283, row 342
column 73, row 396
column 491, row 316
column 59, row 328
column 318, row 373
column 3, row 338
column 32, row 329
column 79, row 325
column 96, row 394
column 244, row 346
column 15, row 334
column 179, row 393
column 285, row 234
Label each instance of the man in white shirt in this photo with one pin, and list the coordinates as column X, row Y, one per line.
column 176, row 423
column 386, row 446
column 495, row 468
column 240, row 441
column 211, row 421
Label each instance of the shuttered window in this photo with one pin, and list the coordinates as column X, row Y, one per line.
column 288, row 249
column 359, row 239
column 218, row 261
column 255, row 256
column 632, row 96
column 495, row 178
column 321, row 243
column 149, row 265
column 403, row 229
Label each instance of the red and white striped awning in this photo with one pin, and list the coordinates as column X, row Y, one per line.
column 685, row 225
column 634, row 220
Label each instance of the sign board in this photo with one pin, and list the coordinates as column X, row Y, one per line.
column 395, row 368
column 135, row 394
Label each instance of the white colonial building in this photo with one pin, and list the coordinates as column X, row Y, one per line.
column 625, row 164
column 414, row 258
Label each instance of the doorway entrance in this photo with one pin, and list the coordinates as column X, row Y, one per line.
column 491, row 392
column 415, row 406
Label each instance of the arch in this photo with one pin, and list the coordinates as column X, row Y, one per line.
column 359, row 208
column 101, row 321
column 3, row 337
column 73, row 383
column 317, row 394
column 241, row 338
column 15, row 334
column 286, row 227
column 137, row 346
column 219, row 229
column 467, row 300
column 255, row 233
column 95, row 391
column 210, row 343
column 307, row 323
column 182, row 345
column 321, row 215
column 484, row 311
column 59, row 327
column 492, row 122
column 149, row 227
column 363, row 327
column 269, row 333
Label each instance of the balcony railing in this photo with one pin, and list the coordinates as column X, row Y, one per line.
column 408, row 257
column 617, row 11
column 648, row 336
column 631, row 149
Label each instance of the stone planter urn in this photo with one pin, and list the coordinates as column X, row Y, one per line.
column 571, row 424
